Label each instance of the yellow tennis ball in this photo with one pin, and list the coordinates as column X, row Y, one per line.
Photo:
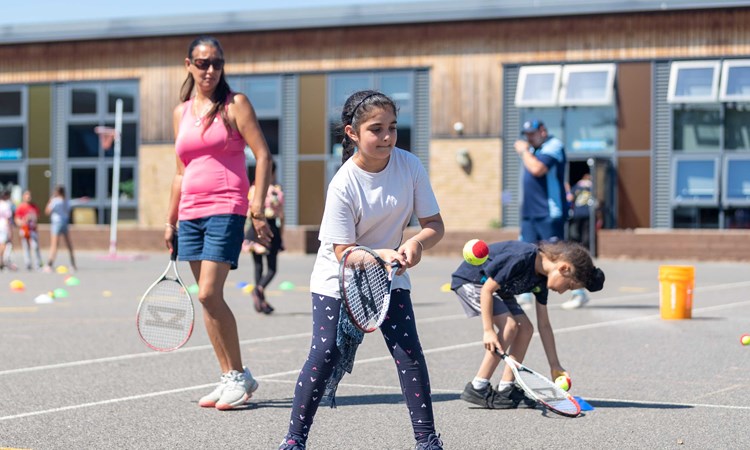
column 745, row 339
column 476, row 252
column 563, row 382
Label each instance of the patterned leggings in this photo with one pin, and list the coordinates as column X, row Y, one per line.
column 400, row 333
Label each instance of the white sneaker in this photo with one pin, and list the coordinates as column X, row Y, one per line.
column 526, row 300
column 209, row 401
column 578, row 299
column 238, row 389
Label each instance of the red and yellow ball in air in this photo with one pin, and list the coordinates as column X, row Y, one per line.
column 476, row 252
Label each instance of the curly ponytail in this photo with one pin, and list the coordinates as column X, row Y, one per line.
column 591, row 276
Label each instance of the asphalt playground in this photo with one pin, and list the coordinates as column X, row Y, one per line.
column 74, row 374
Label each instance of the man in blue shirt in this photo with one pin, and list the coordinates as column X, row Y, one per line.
column 544, row 208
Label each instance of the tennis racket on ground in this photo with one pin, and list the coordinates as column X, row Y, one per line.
column 541, row 389
column 365, row 285
column 165, row 314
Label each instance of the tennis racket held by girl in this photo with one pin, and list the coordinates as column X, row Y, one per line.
column 165, row 315
column 365, row 285
column 541, row 389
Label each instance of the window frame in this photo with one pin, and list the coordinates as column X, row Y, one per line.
column 714, row 200
column 609, row 95
column 524, row 72
column 103, row 162
column 675, row 68
column 727, row 201
column 20, row 120
column 725, row 67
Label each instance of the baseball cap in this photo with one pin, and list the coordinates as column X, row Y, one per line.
column 531, row 126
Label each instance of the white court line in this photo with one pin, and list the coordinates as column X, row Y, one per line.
column 269, row 377
column 143, row 355
column 397, row 390
column 364, row 361
column 421, row 320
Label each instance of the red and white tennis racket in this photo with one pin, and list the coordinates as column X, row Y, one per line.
column 541, row 389
column 365, row 285
column 165, row 314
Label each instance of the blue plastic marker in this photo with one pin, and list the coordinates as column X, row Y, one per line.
column 585, row 406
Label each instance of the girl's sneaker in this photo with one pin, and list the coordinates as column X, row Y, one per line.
column 292, row 442
column 433, row 442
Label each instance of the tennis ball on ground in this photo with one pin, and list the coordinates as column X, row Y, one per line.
column 476, row 252
column 745, row 339
column 563, row 382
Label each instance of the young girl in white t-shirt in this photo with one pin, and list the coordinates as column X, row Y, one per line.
column 370, row 202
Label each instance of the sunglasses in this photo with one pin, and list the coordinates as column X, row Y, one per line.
column 204, row 64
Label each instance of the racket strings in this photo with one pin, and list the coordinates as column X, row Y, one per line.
column 549, row 393
column 366, row 285
column 166, row 318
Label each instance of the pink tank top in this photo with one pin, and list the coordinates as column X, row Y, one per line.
column 215, row 178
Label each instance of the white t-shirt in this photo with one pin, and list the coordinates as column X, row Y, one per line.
column 370, row 209
column 6, row 214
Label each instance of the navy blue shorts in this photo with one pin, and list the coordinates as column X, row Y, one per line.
column 214, row 238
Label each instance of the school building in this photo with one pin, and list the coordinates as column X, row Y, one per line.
column 652, row 98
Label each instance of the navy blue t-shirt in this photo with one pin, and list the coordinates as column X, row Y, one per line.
column 545, row 196
column 512, row 265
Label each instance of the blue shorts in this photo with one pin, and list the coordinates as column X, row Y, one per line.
column 214, row 238
column 539, row 229
column 57, row 228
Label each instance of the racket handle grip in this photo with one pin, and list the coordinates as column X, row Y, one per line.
column 173, row 254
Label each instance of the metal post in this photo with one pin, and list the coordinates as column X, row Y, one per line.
column 115, row 179
column 593, row 204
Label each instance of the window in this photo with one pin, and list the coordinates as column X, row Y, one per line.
column 587, row 85
column 89, row 166
column 12, row 123
column 737, row 126
column 399, row 86
column 695, row 181
column 693, row 82
column 576, row 103
column 11, row 104
column 264, row 92
column 583, row 130
column 590, row 130
column 735, row 81
column 696, row 129
column 736, row 186
column 538, row 86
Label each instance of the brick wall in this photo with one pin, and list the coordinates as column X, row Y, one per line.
column 697, row 245
column 701, row 245
column 457, row 190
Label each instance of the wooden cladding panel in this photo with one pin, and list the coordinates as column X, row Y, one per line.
column 634, row 192
column 312, row 115
column 465, row 58
column 634, row 106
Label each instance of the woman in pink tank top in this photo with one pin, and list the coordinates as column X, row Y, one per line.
column 212, row 125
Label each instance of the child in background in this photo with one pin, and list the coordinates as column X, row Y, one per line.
column 26, row 217
column 58, row 209
column 514, row 267
column 274, row 211
column 6, row 225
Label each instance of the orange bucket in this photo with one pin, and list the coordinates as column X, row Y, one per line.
column 676, row 284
